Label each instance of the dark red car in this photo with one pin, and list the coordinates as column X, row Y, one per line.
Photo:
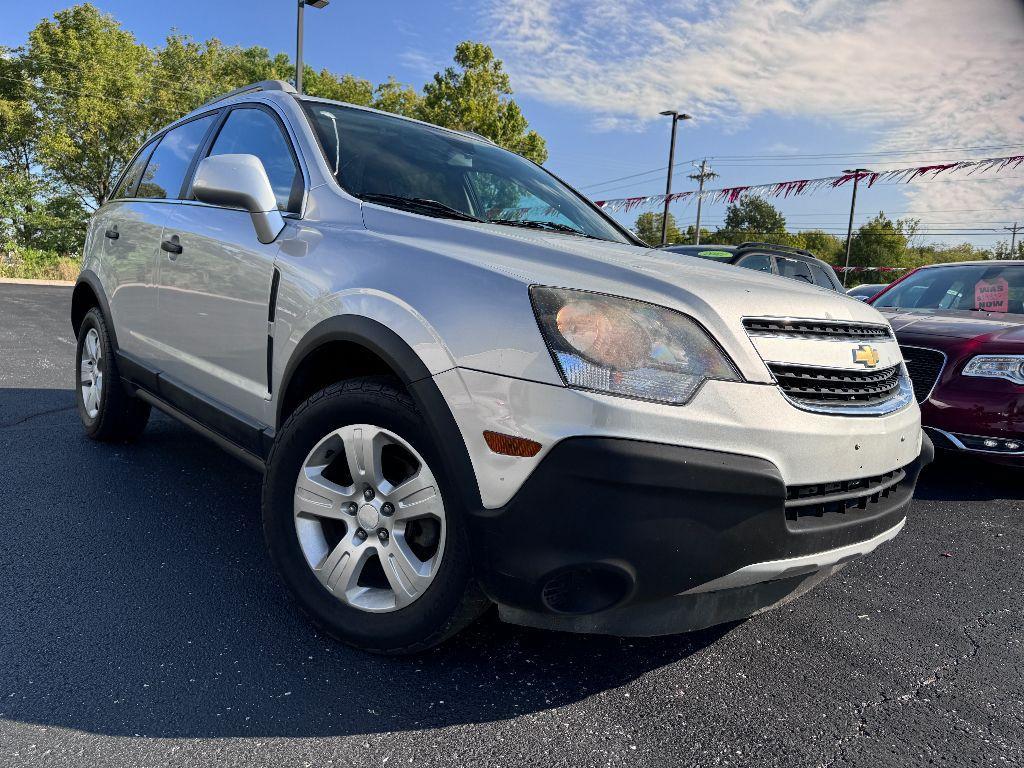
column 961, row 329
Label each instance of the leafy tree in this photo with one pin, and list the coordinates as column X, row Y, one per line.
column 752, row 218
column 474, row 96
column 648, row 229
column 880, row 242
column 823, row 245
column 691, row 231
column 392, row 96
column 92, row 94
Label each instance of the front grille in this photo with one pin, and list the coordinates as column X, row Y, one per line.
column 924, row 367
column 816, row 329
column 841, row 498
column 832, row 386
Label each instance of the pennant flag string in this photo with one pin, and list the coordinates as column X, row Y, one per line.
column 804, row 186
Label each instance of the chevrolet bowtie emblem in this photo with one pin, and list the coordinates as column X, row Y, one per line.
column 866, row 355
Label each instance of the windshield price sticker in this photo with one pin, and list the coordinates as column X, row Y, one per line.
column 992, row 295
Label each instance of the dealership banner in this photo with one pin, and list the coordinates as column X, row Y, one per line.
column 804, row 186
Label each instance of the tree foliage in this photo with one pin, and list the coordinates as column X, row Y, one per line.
column 648, row 229
column 752, row 218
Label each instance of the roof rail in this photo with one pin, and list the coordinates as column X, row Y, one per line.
column 772, row 246
column 263, row 85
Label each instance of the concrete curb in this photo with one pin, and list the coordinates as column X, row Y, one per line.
column 26, row 281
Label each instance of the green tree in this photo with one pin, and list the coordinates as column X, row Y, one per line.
column 823, row 245
column 753, row 218
column 880, row 242
column 648, row 229
column 92, row 93
column 474, row 96
column 691, row 231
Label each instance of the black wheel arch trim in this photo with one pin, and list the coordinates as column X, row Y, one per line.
column 89, row 279
column 413, row 373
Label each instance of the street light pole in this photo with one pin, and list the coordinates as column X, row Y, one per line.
column 676, row 117
column 298, row 39
column 853, row 206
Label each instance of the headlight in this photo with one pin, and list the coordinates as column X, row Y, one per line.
column 1010, row 367
column 626, row 347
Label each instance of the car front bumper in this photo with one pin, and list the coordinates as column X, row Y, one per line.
column 961, row 413
column 635, row 538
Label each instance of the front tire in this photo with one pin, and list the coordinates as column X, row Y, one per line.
column 360, row 524
column 107, row 411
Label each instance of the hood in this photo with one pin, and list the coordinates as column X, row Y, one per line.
column 957, row 324
column 618, row 268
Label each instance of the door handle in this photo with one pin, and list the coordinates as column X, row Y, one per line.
column 112, row 233
column 172, row 246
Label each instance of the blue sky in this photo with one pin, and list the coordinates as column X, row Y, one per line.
column 780, row 89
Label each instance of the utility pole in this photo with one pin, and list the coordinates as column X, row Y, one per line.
column 298, row 39
column 676, row 117
column 853, row 206
column 705, row 174
column 1013, row 237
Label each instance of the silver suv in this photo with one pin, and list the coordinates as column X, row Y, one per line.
column 466, row 385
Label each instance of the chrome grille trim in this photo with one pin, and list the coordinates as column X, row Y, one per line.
column 820, row 330
column 923, row 389
column 885, row 398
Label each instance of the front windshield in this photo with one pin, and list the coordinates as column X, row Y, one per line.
column 974, row 287
column 387, row 160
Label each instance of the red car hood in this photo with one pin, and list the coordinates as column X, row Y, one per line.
column 957, row 324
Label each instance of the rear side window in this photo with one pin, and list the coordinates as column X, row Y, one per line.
column 131, row 177
column 798, row 270
column 250, row 131
column 169, row 163
column 758, row 261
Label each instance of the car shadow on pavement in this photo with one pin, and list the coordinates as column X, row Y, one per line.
column 139, row 600
column 953, row 477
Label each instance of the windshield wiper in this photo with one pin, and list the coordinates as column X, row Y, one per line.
column 548, row 226
column 420, row 205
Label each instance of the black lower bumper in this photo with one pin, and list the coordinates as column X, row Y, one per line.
column 606, row 534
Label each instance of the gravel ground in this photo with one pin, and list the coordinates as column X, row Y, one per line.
column 143, row 626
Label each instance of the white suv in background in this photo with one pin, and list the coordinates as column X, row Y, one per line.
column 467, row 385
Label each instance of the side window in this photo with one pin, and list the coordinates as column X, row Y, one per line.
column 758, row 261
column 127, row 186
column 821, row 277
column 249, row 131
column 171, row 158
column 798, row 270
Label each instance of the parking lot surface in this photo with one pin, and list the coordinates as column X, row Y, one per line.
column 142, row 625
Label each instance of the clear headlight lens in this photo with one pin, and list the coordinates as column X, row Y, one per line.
column 626, row 347
column 1010, row 367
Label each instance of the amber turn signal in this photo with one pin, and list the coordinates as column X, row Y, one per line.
column 509, row 445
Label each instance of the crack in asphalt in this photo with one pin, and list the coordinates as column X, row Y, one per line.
column 37, row 414
column 859, row 727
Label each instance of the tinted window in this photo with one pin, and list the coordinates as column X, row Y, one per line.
column 798, row 270
column 758, row 261
column 977, row 287
column 170, row 161
column 127, row 186
column 254, row 132
column 821, row 276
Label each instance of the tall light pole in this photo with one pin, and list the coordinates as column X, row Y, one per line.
column 705, row 174
column 298, row 39
column 676, row 117
column 857, row 172
column 1013, row 237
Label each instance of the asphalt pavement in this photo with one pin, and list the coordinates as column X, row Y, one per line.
column 143, row 625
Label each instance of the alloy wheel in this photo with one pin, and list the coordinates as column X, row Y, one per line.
column 369, row 518
column 91, row 373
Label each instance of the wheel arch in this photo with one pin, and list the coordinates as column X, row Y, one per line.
column 88, row 293
column 380, row 350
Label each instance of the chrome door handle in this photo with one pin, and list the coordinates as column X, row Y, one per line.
column 172, row 246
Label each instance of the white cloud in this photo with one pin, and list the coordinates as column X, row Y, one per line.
column 906, row 73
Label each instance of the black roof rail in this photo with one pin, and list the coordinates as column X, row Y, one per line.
column 772, row 246
column 263, row 85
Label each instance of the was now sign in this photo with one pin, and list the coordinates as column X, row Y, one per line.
column 992, row 295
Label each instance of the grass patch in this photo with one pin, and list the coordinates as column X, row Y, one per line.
column 33, row 264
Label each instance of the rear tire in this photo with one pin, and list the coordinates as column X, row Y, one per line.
column 393, row 582
column 107, row 411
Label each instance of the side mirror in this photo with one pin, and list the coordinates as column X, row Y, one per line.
column 240, row 181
